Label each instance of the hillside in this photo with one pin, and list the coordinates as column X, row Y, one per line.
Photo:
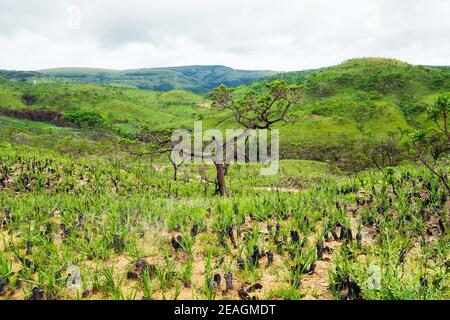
column 189, row 78
column 360, row 97
column 344, row 105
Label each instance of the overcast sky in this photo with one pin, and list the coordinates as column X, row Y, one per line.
column 246, row 34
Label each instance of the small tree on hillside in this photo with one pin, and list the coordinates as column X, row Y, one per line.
column 440, row 113
column 432, row 148
column 428, row 148
column 384, row 152
column 255, row 110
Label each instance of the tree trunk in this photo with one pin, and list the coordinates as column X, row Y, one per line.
column 221, row 180
column 175, row 171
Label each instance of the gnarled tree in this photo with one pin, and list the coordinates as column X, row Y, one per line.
column 440, row 113
column 255, row 110
column 159, row 142
column 428, row 148
column 384, row 152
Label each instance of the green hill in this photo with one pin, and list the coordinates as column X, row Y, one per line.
column 359, row 97
column 189, row 78
column 343, row 106
column 121, row 108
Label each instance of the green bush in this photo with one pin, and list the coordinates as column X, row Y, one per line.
column 85, row 118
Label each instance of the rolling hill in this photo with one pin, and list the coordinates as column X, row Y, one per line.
column 356, row 100
column 360, row 99
column 198, row 79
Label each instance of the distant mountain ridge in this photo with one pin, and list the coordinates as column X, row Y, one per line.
column 20, row 75
column 190, row 78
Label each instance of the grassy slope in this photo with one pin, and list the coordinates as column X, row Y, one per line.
column 48, row 137
column 361, row 96
column 148, row 204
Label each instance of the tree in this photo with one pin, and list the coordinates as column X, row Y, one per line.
column 29, row 98
column 440, row 113
column 255, row 110
column 159, row 142
column 432, row 147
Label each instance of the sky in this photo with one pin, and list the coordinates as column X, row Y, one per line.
column 277, row 35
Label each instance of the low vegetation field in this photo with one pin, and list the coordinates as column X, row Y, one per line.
column 120, row 228
column 90, row 209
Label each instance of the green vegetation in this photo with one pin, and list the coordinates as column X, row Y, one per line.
column 358, row 210
column 198, row 79
column 343, row 107
column 120, row 108
column 130, row 232
column 358, row 100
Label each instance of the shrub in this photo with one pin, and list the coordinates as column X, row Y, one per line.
column 29, row 98
column 85, row 118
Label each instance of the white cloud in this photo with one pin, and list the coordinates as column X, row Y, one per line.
column 251, row 34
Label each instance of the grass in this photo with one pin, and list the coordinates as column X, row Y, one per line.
column 104, row 216
column 123, row 108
